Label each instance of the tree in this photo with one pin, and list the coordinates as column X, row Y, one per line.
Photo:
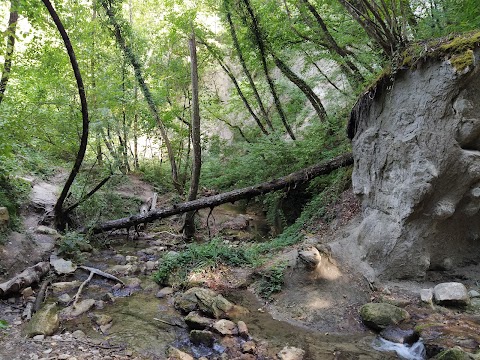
column 11, row 31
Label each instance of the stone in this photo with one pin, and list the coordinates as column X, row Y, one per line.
column 291, row 353
column 150, row 265
column 108, row 297
column 64, row 299
column 39, row 337
column 78, row 334
column 455, row 353
column 249, row 347
column 27, row 292
column 310, row 257
column 131, row 259
column 400, row 336
column 426, row 295
column 120, row 259
column 44, row 322
column 102, row 319
column 122, row 269
column 4, row 217
column 242, row 329
column 202, row 337
column 62, row 266
column 45, row 230
column 474, row 294
column 419, row 189
column 195, row 321
column 60, row 287
column 176, row 354
column 225, row 327
column 451, row 293
column 80, row 308
column 133, row 282
column 164, row 292
column 379, row 316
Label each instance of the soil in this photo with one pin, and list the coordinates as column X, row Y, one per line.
column 317, row 310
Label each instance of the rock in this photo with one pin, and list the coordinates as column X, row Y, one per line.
column 453, row 354
column 242, row 329
column 399, row 336
column 122, row 269
column 310, row 257
column 4, row 217
column 99, row 304
column 105, row 328
column 44, row 322
column 426, row 295
column 202, row 337
column 102, row 319
column 108, row 297
column 474, row 294
column 175, row 354
column 418, row 209
column 249, row 347
column 64, row 299
column 150, row 265
column 27, row 292
column 378, row 316
column 226, row 327
column 452, row 293
column 164, row 292
column 78, row 334
column 39, row 337
column 133, row 282
column 45, row 230
column 80, row 308
column 195, row 321
column 131, row 259
column 120, row 259
column 62, row 266
column 291, row 353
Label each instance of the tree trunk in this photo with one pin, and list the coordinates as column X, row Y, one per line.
column 257, row 34
column 145, row 90
column 189, row 225
column 11, row 30
column 301, row 176
column 304, row 87
column 59, row 217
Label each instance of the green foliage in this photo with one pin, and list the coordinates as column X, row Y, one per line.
column 271, row 280
column 3, row 324
column 157, row 174
column 198, row 256
column 13, row 193
column 72, row 244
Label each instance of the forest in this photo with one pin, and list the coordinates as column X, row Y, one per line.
column 207, row 102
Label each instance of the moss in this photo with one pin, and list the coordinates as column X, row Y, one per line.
column 462, row 61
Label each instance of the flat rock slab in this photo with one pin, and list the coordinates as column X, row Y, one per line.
column 62, row 266
column 451, row 293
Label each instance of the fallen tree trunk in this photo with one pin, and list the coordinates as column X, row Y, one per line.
column 292, row 179
column 26, row 278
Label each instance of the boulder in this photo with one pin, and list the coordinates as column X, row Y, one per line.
column 291, row 353
column 249, row 347
column 195, row 321
column 451, row 293
column 310, row 257
column 379, row 316
column 175, row 354
column 400, row 336
column 226, row 327
column 44, row 322
column 419, row 188
column 202, row 337
column 453, row 354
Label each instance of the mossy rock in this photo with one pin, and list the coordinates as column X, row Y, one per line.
column 453, row 354
column 378, row 316
column 44, row 322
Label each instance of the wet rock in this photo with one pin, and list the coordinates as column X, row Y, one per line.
column 226, row 327
column 378, row 316
column 62, row 266
column 399, row 336
column 187, row 301
column 426, row 295
column 77, row 310
column 44, row 322
column 102, row 319
column 202, row 337
column 64, row 299
column 249, row 347
column 122, row 269
column 242, row 329
column 195, row 321
column 108, row 297
column 4, row 217
column 164, row 292
column 175, row 354
column 291, row 353
column 451, row 293
column 453, row 354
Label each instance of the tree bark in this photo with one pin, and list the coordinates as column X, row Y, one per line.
column 11, row 30
column 60, row 218
column 145, row 90
column 26, row 278
column 301, row 176
column 189, row 225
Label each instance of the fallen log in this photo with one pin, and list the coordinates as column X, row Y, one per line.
column 27, row 277
column 292, row 179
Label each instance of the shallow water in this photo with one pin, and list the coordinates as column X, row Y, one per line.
column 416, row 351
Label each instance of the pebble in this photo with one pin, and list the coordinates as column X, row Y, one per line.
column 150, row 265
column 64, row 299
column 249, row 347
column 242, row 329
column 39, row 337
column 78, row 334
column 226, row 327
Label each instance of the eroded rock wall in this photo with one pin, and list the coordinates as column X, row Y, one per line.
column 417, row 171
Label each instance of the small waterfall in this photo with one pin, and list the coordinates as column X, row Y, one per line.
column 416, row 351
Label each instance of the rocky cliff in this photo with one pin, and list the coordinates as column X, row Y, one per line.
column 416, row 145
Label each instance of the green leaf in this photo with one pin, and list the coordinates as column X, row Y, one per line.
column 3, row 324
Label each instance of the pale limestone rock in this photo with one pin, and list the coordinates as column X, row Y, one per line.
column 62, row 266
column 226, row 327
column 426, row 295
column 44, row 322
column 291, row 353
column 451, row 293
column 175, row 354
